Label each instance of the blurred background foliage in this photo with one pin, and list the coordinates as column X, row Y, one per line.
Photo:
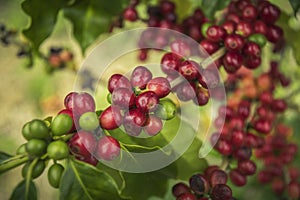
column 33, row 93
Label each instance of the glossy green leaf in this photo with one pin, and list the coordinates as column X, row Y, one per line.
column 189, row 163
column 43, row 19
column 4, row 156
column 19, row 192
column 295, row 5
column 90, row 18
column 210, row 7
column 291, row 36
column 82, row 181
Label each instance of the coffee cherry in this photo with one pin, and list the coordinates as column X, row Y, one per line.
column 207, row 47
column 118, row 81
column 234, row 42
column 82, row 144
column 221, row 192
column 179, row 189
column 216, row 33
column 170, row 63
column 37, row 170
column 108, row 148
column 232, row 61
column 252, row 49
column 61, row 125
column 130, row 14
column 278, row 186
column 186, row 196
column 269, row 13
column 243, row 153
column 244, row 28
column 224, row 147
column 160, row 86
column 209, row 78
column 36, row 147
column 247, row 167
column 274, row 34
column 54, row 174
column 249, row 13
column 70, row 113
column 134, row 120
column 243, row 110
column 166, row 6
column 69, row 100
column 58, row 150
column 262, row 126
column 153, row 125
column 237, row 178
column 189, row 70
column 204, row 28
column 202, row 97
column 35, row 129
column 199, row 184
column 140, row 77
column 123, row 98
column 21, row 149
column 293, row 190
column 89, row 121
column 218, row 177
column 279, row 105
column 185, row 91
column 90, row 160
column 166, row 109
column 238, row 138
column 260, row 27
column 181, row 48
column 147, row 101
column 110, row 118
column 26, row 131
column 229, row 27
column 83, row 102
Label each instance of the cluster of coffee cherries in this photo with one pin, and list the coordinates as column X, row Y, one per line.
column 164, row 16
column 41, row 147
column 277, row 155
column 197, row 80
column 209, row 185
column 138, row 104
column 74, row 130
column 59, row 58
column 243, row 33
column 246, row 29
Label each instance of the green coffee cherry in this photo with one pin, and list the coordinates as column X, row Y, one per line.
column 61, row 125
column 58, row 150
column 89, row 121
column 54, row 174
column 37, row 170
column 166, row 109
column 36, row 147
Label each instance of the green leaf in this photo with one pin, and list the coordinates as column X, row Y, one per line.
column 43, row 18
column 82, row 181
column 145, row 185
column 90, row 18
column 210, row 7
column 20, row 190
column 4, row 156
column 295, row 5
column 189, row 163
column 291, row 36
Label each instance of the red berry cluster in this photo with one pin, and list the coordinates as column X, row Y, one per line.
column 137, row 103
column 210, row 185
column 84, row 145
column 277, row 155
column 197, row 80
column 243, row 33
column 58, row 57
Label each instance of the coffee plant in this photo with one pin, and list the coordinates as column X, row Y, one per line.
column 209, row 111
